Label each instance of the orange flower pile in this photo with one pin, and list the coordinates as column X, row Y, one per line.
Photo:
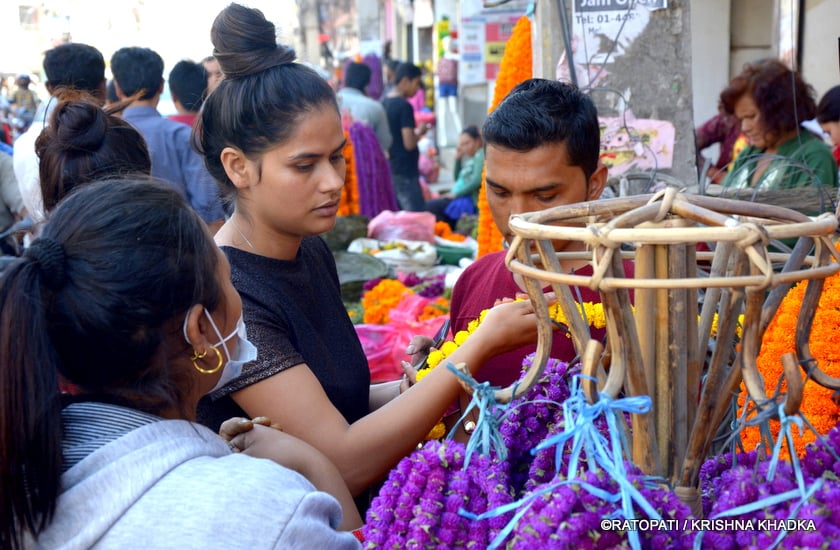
column 381, row 299
column 444, row 231
column 439, row 306
column 349, row 202
column 516, row 67
column 817, row 404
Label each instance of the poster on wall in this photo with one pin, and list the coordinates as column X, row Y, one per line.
column 630, row 144
column 482, row 42
column 604, row 29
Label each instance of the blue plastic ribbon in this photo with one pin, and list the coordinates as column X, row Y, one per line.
column 486, row 436
column 607, row 454
column 803, row 492
column 524, row 504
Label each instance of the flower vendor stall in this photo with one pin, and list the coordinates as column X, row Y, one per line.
column 636, row 446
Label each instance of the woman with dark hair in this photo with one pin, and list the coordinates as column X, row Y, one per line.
column 469, row 166
column 271, row 134
column 83, row 143
column 771, row 101
column 126, row 296
column 828, row 117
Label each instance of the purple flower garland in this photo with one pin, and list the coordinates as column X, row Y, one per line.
column 373, row 175
column 427, row 490
column 727, row 484
column 427, row 496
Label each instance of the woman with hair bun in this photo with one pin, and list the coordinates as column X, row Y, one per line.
column 126, row 296
column 83, row 143
column 271, row 135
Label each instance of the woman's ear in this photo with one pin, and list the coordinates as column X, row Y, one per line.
column 237, row 167
column 196, row 329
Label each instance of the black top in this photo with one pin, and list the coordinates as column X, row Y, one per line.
column 294, row 314
column 401, row 115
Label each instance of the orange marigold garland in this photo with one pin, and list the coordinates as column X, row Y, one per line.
column 817, row 404
column 516, row 67
column 349, row 202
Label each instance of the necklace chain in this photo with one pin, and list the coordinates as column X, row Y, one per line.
column 241, row 234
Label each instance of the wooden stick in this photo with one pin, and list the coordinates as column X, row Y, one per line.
column 678, row 329
column 660, row 391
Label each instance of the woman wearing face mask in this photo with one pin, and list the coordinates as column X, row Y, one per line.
column 126, row 297
column 271, row 135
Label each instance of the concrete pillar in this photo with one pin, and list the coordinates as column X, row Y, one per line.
column 646, row 69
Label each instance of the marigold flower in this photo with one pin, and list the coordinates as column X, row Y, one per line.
column 817, row 404
column 349, row 201
column 516, row 67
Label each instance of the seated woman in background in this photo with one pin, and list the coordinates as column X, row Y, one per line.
column 126, row 296
column 771, row 101
column 469, row 166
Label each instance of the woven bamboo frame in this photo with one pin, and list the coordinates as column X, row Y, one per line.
column 661, row 349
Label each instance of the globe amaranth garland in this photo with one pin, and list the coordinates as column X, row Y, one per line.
column 424, row 501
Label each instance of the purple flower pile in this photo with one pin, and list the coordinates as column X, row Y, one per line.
column 428, row 287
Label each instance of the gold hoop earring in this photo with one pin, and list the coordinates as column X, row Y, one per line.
column 196, row 356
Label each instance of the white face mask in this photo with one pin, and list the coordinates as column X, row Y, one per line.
column 245, row 351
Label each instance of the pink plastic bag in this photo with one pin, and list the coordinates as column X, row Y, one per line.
column 378, row 343
column 385, row 345
column 409, row 226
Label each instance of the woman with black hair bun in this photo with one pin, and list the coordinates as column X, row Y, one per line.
column 83, row 143
column 271, row 135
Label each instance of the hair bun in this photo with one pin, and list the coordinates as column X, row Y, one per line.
column 79, row 126
column 245, row 42
column 49, row 255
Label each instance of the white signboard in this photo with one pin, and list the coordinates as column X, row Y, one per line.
column 471, row 40
column 604, row 29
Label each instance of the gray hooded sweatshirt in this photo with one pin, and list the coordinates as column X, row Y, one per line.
column 175, row 484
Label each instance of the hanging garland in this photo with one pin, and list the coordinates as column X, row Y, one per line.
column 374, row 188
column 592, row 312
column 349, row 202
column 516, row 67
column 817, row 404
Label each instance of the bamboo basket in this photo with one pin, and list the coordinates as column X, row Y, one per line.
column 665, row 347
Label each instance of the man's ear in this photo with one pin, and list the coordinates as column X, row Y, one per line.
column 237, row 167
column 196, row 329
column 597, row 182
column 118, row 89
